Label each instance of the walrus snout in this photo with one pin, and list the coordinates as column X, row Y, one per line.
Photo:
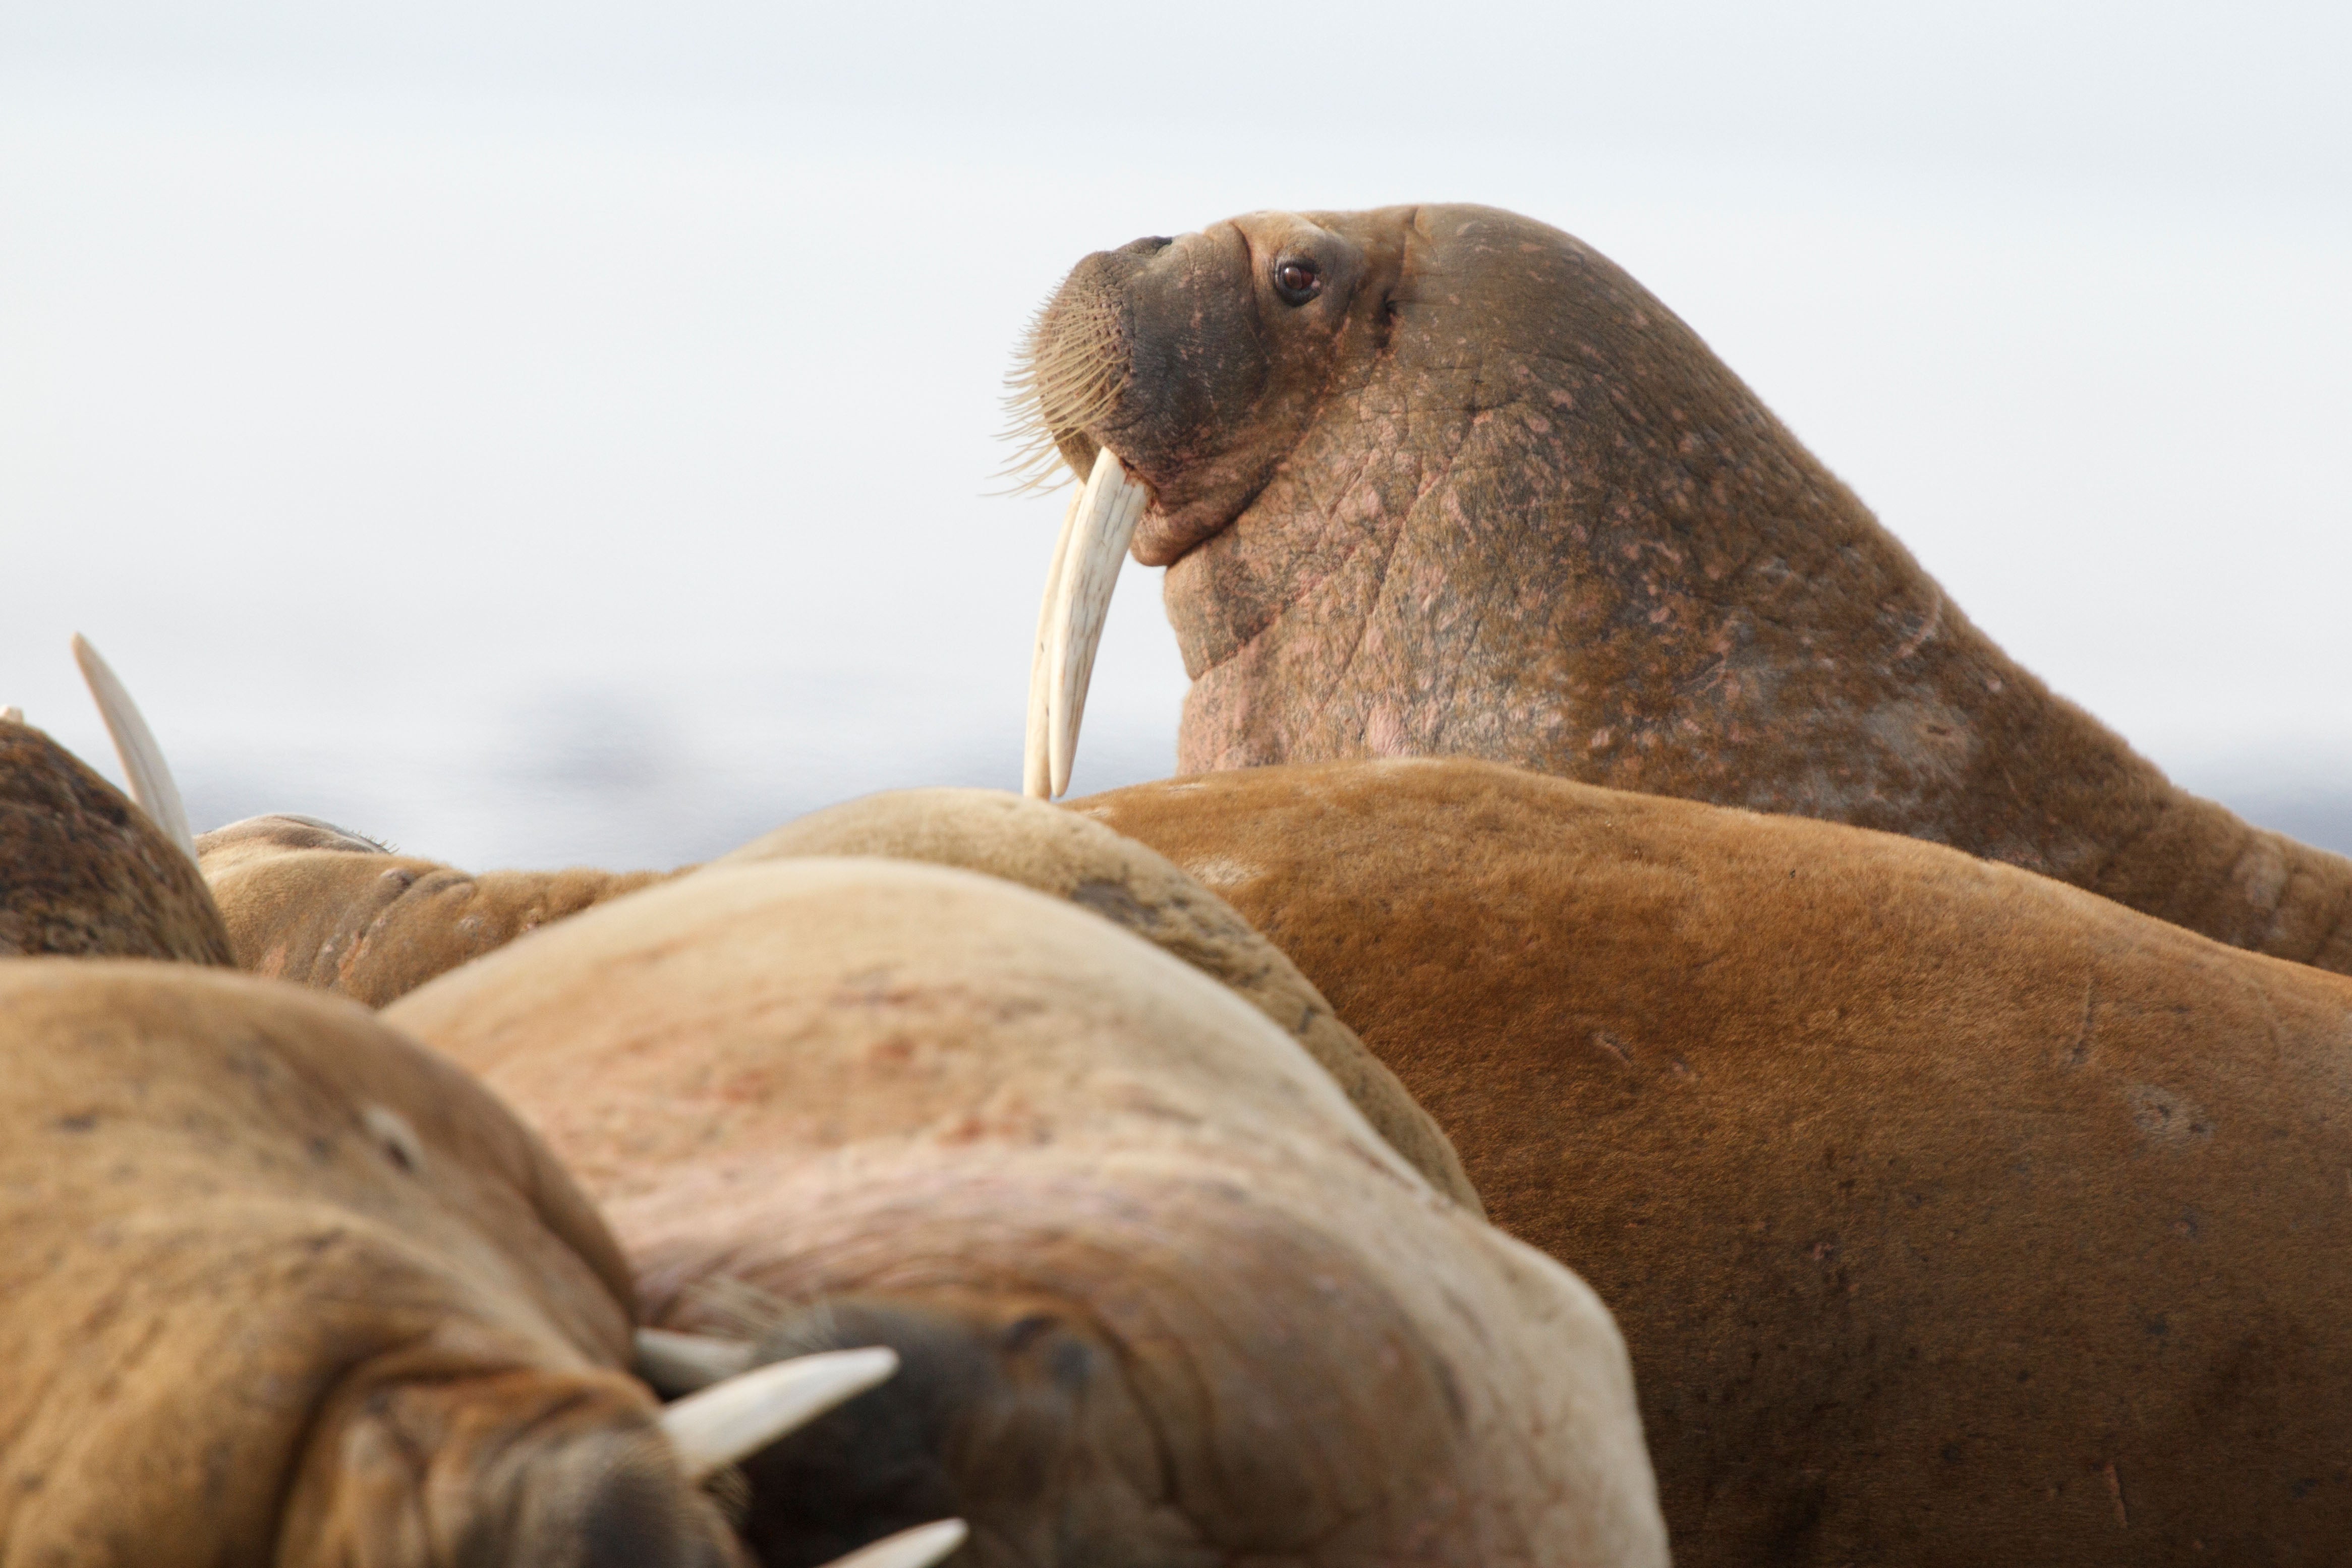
column 1198, row 363
column 531, row 1470
column 1191, row 358
column 1011, row 1413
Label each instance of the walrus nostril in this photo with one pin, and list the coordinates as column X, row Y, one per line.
column 1151, row 245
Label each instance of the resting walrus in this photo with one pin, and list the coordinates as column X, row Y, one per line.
column 1953, row 1215
column 1165, row 1299
column 1442, row 479
column 279, row 1286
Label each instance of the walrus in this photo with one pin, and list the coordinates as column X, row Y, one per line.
column 280, row 1287
column 84, row 872
column 1443, row 480
column 1162, row 1296
column 1952, row 1215
column 309, row 901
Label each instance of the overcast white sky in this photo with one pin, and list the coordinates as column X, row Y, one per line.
column 551, row 432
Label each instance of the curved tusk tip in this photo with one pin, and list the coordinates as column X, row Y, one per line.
column 143, row 767
column 733, row 1419
column 916, row 1548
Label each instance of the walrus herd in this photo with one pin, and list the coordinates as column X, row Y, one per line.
column 1526, row 1095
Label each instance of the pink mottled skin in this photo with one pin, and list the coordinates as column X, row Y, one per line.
column 1483, row 495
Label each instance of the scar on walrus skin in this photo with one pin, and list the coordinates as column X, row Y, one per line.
column 1443, row 480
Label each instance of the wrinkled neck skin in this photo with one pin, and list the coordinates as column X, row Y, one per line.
column 1546, row 527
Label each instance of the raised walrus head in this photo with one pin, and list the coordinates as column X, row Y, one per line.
column 279, row 1286
column 1163, row 1296
column 1442, row 479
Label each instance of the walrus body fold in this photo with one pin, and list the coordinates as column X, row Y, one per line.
column 1953, row 1215
column 279, row 1288
column 1443, row 480
column 1162, row 1294
column 310, row 903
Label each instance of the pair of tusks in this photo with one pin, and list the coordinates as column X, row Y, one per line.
column 736, row 1409
column 151, row 788
column 1079, row 584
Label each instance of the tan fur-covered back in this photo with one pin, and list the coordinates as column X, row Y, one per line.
column 1954, row 1216
column 82, row 871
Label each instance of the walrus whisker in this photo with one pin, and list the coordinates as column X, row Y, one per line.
column 736, row 1308
column 1065, row 377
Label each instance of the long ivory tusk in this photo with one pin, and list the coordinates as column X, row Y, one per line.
column 732, row 1421
column 142, row 760
column 1035, row 779
column 916, row 1548
column 678, row 1364
column 1105, row 519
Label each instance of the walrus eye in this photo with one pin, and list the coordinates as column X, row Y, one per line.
column 1297, row 279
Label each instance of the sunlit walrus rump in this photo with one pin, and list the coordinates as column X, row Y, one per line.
column 279, row 1288
column 1162, row 1295
column 1442, row 479
column 1953, row 1217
